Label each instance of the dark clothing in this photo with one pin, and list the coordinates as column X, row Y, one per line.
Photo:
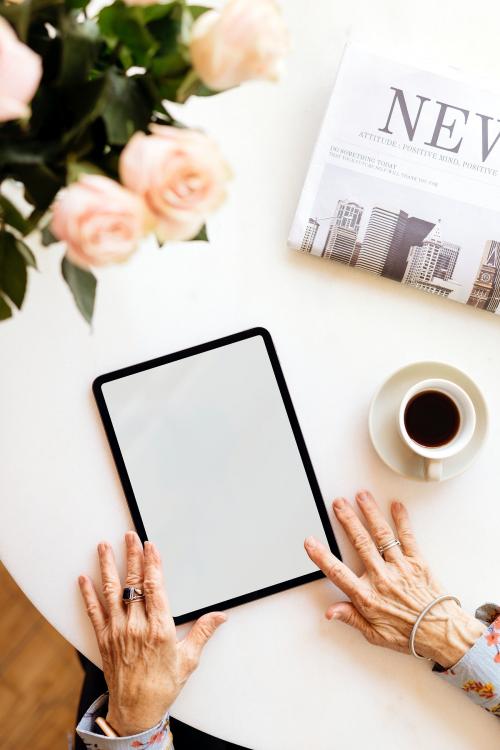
column 185, row 737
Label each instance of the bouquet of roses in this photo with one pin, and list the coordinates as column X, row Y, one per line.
column 87, row 136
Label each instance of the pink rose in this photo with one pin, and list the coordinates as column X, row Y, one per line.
column 180, row 174
column 20, row 74
column 100, row 221
column 247, row 39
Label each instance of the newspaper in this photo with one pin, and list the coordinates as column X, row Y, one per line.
column 404, row 180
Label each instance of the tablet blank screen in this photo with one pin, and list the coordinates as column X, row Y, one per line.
column 216, row 473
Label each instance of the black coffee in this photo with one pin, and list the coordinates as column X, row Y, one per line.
column 432, row 418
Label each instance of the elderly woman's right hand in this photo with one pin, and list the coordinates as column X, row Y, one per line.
column 387, row 599
column 144, row 665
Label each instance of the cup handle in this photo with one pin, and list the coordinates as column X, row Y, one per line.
column 433, row 469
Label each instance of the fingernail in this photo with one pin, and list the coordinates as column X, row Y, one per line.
column 81, row 580
column 221, row 618
column 397, row 505
column 310, row 542
column 362, row 496
column 101, row 547
column 338, row 503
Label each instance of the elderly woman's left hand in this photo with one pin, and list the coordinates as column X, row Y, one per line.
column 144, row 665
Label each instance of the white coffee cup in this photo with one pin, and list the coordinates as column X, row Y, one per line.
column 433, row 457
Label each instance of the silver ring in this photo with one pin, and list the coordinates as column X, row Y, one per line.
column 132, row 594
column 384, row 547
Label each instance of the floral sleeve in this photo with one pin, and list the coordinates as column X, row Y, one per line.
column 478, row 671
column 156, row 738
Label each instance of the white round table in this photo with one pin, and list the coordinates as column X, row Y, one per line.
column 277, row 676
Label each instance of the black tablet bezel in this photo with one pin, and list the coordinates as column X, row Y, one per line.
column 127, row 486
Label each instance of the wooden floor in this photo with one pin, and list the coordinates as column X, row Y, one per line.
column 40, row 677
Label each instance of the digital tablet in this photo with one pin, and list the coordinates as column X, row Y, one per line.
column 215, row 471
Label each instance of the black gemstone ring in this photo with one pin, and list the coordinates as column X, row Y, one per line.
column 132, row 594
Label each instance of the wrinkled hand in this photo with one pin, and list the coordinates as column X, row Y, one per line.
column 387, row 599
column 144, row 665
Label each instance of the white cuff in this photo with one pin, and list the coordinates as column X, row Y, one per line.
column 158, row 737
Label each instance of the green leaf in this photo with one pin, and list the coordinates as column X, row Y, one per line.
column 170, row 58
column 169, row 64
column 13, row 276
column 16, row 150
column 18, row 14
column 41, row 7
column 187, row 86
column 197, row 10
column 12, row 216
column 5, row 310
column 168, row 87
column 34, row 218
column 110, row 164
column 40, row 183
column 202, row 90
column 154, row 12
column 46, row 236
column 202, row 235
column 128, row 107
column 80, row 47
column 86, row 103
column 76, row 4
column 82, row 284
column 26, row 254
column 77, row 168
column 124, row 25
column 191, row 85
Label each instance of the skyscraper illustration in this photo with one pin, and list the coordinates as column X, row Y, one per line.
column 340, row 244
column 485, row 292
column 447, row 260
column 430, row 265
column 409, row 231
column 343, row 231
column 309, row 235
column 401, row 247
column 377, row 241
column 347, row 215
column 355, row 254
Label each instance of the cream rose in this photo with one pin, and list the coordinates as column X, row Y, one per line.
column 100, row 221
column 246, row 40
column 20, row 74
column 180, row 174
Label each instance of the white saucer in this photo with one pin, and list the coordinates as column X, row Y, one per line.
column 383, row 420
